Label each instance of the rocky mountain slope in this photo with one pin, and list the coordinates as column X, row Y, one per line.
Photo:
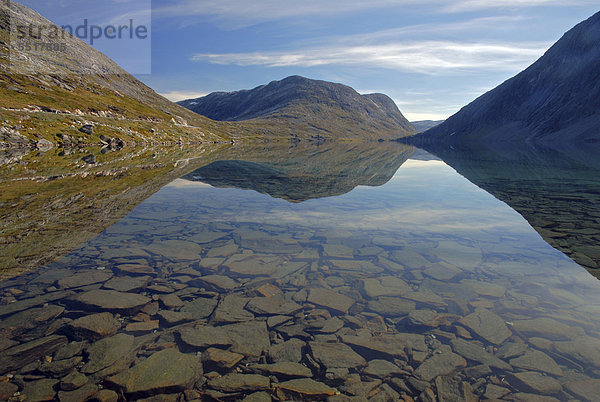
column 297, row 104
column 48, row 93
column 555, row 99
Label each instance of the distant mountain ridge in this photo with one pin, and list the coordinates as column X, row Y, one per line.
column 325, row 108
column 556, row 99
column 424, row 125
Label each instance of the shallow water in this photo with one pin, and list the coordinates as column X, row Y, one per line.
column 422, row 285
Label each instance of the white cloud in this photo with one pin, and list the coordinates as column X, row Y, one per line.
column 474, row 5
column 244, row 12
column 412, row 116
column 436, row 30
column 239, row 13
column 176, row 96
column 425, row 57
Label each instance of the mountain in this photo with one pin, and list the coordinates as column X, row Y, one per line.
column 424, row 125
column 557, row 99
column 300, row 105
column 80, row 85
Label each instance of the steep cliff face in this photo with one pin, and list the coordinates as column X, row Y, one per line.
column 328, row 109
column 555, row 99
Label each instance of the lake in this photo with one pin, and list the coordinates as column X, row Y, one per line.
column 304, row 272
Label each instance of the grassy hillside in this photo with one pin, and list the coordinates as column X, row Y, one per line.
column 45, row 95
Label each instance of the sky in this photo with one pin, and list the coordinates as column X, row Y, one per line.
column 430, row 56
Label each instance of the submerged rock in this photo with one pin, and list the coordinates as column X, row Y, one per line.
column 472, row 351
column 429, row 318
column 111, row 300
column 385, row 286
column 127, row 283
column 26, row 304
column 391, row 346
column 170, row 301
column 509, row 350
column 107, row 351
column 69, row 350
column 167, row 371
column 275, row 305
column 222, row 359
column 495, row 392
column 330, row 299
column 84, row 278
column 336, row 355
column 450, row 389
column 79, row 394
column 584, row 350
column 258, row 397
column 60, row 367
column 200, row 308
column 487, row 325
column 440, row 364
column 141, row 327
column 537, row 382
column 94, row 326
column 170, row 318
column 41, row 390
column 284, row 369
column 7, row 390
column 442, row 271
column 547, row 328
column 105, row 395
column 18, row 323
column 73, row 381
column 382, row 368
column 249, row 338
column 240, row 383
column 288, row 351
column 538, row 361
column 391, row 306
column 586, row 389
column 307, row 387
column 219, row 282
column 232, row 309
column 21, row 355
column 204, row 336
column 176, row 250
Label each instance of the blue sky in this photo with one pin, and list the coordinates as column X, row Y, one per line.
column 431, row 56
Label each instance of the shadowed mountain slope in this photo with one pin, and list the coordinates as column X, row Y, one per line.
column 555, row 99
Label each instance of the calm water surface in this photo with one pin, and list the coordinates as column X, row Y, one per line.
column 282, row 285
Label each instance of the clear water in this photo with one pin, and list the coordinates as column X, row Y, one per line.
column 428, row 263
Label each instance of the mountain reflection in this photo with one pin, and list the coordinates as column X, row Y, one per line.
column 556, row 190
column 307, row 172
